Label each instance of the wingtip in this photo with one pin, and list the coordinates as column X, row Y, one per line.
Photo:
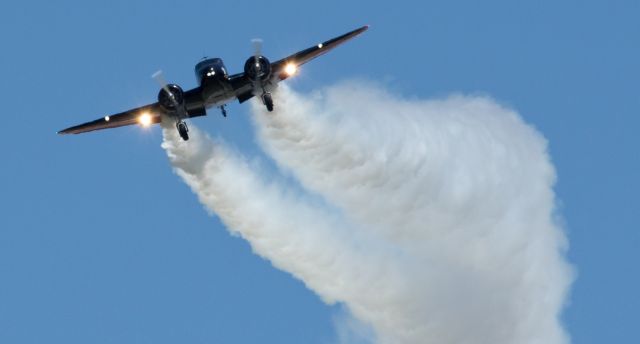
column 358, row 31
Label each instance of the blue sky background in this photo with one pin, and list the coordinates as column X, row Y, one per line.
column 101, row 243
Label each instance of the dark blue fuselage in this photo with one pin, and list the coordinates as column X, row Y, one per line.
column 214, row 83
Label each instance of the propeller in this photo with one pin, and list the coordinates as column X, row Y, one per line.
column 257, row 50
column 159, row 78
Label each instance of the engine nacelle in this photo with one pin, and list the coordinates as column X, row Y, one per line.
column 257, row 70
column 164, row 99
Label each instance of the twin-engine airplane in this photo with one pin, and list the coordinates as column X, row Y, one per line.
column 216, row 89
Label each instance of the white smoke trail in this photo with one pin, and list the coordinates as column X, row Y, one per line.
column 445, row 232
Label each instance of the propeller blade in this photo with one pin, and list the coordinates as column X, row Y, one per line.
column 257, row 52
column 257, row 47
column 159, row 78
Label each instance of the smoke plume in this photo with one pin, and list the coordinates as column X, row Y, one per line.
column 431, row 221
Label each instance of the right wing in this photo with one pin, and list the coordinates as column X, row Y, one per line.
column 304, row 56
column 145, row 115
column 243, row 87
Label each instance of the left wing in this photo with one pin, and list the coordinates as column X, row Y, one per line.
column 145, row 115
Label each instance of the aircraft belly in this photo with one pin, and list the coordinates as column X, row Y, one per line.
column 220, row 101
column 217, row 93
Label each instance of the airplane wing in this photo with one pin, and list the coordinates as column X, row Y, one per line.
column 144, row 115
column 243, row 86
column 306, row 55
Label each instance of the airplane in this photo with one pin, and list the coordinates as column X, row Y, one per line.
column 215, row 88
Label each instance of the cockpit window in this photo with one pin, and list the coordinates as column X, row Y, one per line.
column 210, row 67
column 209, row 63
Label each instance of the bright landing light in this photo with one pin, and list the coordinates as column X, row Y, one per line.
column 144, row 120
column 290, row 69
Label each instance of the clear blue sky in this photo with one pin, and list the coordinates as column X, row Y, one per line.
column 100, row 242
